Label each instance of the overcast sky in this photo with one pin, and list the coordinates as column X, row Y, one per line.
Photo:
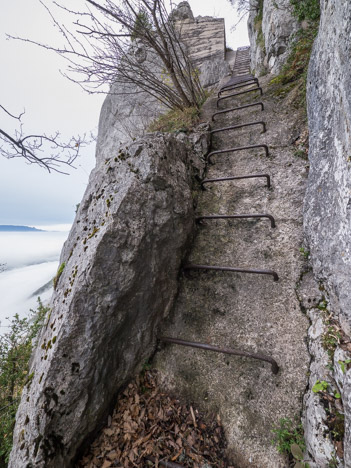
column 30, row 80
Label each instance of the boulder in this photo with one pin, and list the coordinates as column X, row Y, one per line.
column 118, row 280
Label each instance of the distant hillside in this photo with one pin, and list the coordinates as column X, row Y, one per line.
column 9, row 228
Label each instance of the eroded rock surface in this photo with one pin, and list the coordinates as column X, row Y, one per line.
column 121, row 263
column 328, row 198
column 327, row 213
column 270, row 36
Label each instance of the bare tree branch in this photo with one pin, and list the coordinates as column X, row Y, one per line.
column 48, row 151
column 134, row 42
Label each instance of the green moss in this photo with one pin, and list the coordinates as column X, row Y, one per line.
column 94, row 231
column 29, row 379
column 306, row 9
column 58, row 274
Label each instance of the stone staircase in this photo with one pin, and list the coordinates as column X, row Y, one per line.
column 249, row 304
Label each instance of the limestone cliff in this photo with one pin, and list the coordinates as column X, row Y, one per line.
column 327, row 211
column 271, row 27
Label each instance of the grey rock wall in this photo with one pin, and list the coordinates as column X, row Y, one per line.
column 327, row 210
column 328, row 199
column 122, row 260
column 270, row 38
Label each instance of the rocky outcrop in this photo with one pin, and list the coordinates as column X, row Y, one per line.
column 128, row 110
column 117, row 281
column 205, row 40
column 327, row 210
column 271, row 28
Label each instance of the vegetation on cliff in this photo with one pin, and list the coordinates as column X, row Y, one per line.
column 294, row 72
column 15, row 350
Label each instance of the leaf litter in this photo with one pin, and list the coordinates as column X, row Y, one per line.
column 150, row 427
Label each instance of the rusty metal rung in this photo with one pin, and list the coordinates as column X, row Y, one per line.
column 244, row 63
column 239, row 216
column 191, row 266
column 238, row 108
column 237, row 86
column 238, row 94
column 235, row 127
column 238, row 148
column 251, row 176
column 217, row 349
column 238, row 79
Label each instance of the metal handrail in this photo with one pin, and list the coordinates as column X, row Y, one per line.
column 192, row 266
column 238, row 108
column 238, row 148
column 234, row 127
column 251, row 176
column 217, row 349
column 238, row 94
column 238, row 216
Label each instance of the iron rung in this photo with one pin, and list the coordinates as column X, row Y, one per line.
column 238, row 148
column 239, row 216
column 234, row 127
column 238, row 108
column 191, row 266
column 224, row 179
column 238, row 94
column 217, row 349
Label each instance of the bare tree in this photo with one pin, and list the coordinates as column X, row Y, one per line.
column 48, row 151
column 246, row 5
column 133, row 42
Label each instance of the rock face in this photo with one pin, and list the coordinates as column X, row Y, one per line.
column 328, row 199
column 205, row 39
column 128, row 110
column 120, row 266
column 327, row 210
column 270, row 34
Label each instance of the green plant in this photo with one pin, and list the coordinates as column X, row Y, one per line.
column 342, row 364
column 289, row 439
column 300, row 153
column 330, row 340
column 58, row 274
column 306, row 9
column 304, row 252
column 142, row 23
column 320, row 386
column 323, row 304
column 15, row 350
column 333, row 463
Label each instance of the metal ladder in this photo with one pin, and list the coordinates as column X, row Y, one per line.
column 241, row 78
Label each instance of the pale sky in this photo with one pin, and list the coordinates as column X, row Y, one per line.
column 30, row 79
